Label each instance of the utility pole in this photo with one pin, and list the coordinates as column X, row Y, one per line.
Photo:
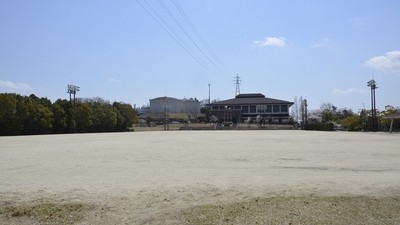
column 237, row 83
column 209, row 94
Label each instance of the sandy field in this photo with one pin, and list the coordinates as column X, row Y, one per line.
column 146, row 177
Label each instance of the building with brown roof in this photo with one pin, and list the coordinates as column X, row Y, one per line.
column 245, row 106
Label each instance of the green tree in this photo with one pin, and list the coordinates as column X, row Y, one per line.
column 8, row 112
column 110, row 117
column 97, row 117
column 38, row 119
column 83, row 114
column 60, row 124
column 352, row 123
column 68, row 109
column 104, row 117
column 126, row 116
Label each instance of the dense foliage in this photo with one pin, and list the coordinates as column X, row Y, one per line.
column 344, row 118
column 320, row 126
column 363, row 121
column 33, row 115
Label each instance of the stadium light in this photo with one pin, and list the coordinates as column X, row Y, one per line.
column 373, row 86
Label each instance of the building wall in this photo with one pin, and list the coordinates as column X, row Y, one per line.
column 159, row 105
column 279, row 113
column 174, row 105
column 191, row 106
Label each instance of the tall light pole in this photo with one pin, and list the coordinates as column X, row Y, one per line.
column 225, row 114
column 72, row 89
column 373, row 86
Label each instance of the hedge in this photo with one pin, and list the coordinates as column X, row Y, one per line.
column 319, row 126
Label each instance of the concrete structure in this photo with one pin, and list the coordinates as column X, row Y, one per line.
column 174, row 105
column 142, row 110
column 392, row 117
column 246, row 106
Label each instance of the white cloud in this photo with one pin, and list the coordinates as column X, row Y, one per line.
column 348, row 91
column 11, row 85
column 321, row 43
column 272, row 41
column 114, row 80
column 389, row 62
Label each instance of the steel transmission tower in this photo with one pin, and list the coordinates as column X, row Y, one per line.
column 237, row 83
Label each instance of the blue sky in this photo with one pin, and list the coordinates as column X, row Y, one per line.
column 325, row 51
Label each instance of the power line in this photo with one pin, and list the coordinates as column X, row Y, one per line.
column 182, row 12
column 226, row 92
column 187, row 48
column 181, row 42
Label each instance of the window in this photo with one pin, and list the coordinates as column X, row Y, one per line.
column 238, row 107
column 276, row 108
column 260, row 108
column 284, row 108
column 269, row 109
column 252, row 109
column 245, row 109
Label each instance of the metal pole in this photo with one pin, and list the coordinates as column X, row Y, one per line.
column 372, row 110
column 375, row 117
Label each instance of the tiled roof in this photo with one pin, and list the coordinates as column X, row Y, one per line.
column 246, row 99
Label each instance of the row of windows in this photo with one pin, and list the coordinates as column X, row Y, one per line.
column 256, row 108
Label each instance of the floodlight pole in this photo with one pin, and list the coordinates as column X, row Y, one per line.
column 373, row 86
column 72, row 89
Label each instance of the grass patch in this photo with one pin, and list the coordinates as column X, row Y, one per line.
column 47, row 213
column 299, row 210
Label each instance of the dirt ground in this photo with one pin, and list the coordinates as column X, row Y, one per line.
column 146, row 177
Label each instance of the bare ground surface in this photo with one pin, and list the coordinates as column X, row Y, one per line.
column 149, row 177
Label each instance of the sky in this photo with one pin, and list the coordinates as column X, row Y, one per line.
column 135, row 50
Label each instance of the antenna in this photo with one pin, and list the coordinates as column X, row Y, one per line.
column 237, row 83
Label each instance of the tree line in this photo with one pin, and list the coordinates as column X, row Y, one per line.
column 26, row 115
column 363, row 120
column 344, row 117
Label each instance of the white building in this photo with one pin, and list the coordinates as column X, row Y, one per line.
column 175, row 105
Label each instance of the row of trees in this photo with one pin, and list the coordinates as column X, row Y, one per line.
column 329, row 113
column 344, row 117
column 326, row 113
column 32, row 115
column 363, row 120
